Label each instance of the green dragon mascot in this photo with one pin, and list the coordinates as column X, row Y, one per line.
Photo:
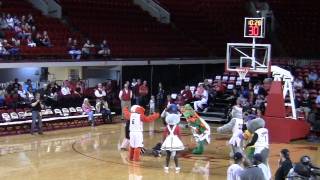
column 199, row 127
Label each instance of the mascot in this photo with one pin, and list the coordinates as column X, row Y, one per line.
column 172, row 143
column 236, row 142
column 259, row 143
column 136, row 117
column 199, row 127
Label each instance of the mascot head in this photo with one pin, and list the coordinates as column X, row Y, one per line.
column 187, row 111
column 172, row 109
column 137, row 109
column 255, row 124
column 172, row 119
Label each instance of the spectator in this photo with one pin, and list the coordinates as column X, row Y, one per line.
column 257, row 160
column 179, row 101
column 125, row 95
column 87, row 109
column 169, row 101
column 152, row 104
column 313, row 76
column 12, row 50
column 100, row 92
column 3, row 23
column 202, row 96
column 74, row 50
column 38, row 39
column 46, row 40
column 30, row 20
column 30, row 42
column 2, row 96
column 36, row 106
column 234, row 171
column 103, row 108
column 65, row 90
column 186, row 94
column 318, row 100
column 27, row 84
column 143, row 91
column 133, row 83
column 29, row 94
column 160, row 97
column 10, row 21
column 285, row 165
column 298, row 83
column 136, row 92
column 236, row 111
column 87, row 48
column 308, row 84
column 256, row 88
column 219, row 88
column 104, row 49
column 251, row 172
column 305, row 105
column 16, row 84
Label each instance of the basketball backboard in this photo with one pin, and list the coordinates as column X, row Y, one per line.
column 255, row 57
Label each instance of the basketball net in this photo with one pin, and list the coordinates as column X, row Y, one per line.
column 242, row 72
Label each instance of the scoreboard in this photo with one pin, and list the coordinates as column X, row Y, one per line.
column 254, row 27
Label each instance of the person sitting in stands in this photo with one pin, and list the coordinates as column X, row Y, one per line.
column 202, row 96
column 298, row 83
column 305, row 105
column 13, row 50
column 187, row 94
column 87, row 48
column 74, row 50
column 10, row 21
column 87, row 109
column 100, row 92
column 104, row 49
column 30, row 42
column 30, row 20
column 46, row 40
column 313, row 76
column 38, row 39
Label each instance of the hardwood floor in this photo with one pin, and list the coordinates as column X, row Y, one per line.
column 93, row 153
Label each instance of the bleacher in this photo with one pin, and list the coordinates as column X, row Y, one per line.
column 18, row 121
column 130, row 31
column 298, row 27
column 212, row 23
column 57, row 31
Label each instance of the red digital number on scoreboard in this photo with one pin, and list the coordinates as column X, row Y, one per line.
column 254, row 30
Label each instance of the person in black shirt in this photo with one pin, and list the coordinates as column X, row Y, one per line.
column 36, row 107
column 285, row 165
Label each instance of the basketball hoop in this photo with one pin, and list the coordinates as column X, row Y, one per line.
column 242, row 72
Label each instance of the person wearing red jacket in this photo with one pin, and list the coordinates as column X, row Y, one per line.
column 136, row 117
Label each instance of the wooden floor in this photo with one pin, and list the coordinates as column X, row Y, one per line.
column 93, row 153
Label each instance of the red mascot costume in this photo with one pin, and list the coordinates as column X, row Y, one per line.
column 136, row 117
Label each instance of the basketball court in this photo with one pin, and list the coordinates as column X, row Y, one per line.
column 93, row 153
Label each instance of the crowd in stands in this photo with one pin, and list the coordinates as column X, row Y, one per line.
column 88, row 49
column 68, row 94
column 22, row 31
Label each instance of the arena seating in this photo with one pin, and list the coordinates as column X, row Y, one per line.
column 17, row 122
column 130, row 31
column 57, row 31
column 298, row 23
column 212, row 23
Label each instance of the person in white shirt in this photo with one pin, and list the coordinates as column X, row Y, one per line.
column 202, row 95
column 234, row 171
column 10, row 21
column 257, row 160
column 65, row 90
column 22, row 93
column 100, row 93
column 298, row 83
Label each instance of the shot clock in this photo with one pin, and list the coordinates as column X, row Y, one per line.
column 254, row 27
